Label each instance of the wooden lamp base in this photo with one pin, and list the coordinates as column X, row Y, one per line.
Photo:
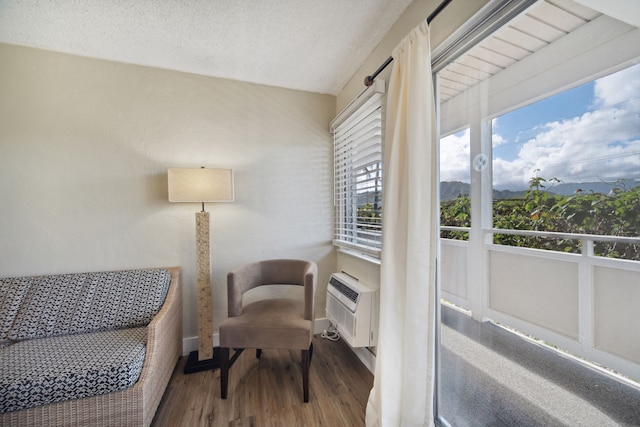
column 205, row 357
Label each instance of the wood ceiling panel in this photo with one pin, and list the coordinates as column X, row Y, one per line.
column 446, row 93
column 474, row 73
column 462, row 78
column 556, row 17
column 537, row 28
column 448, row 81
column 576, row 9
column 491, row 57
column 478, row 64
column 517, row 37
column 506, row 48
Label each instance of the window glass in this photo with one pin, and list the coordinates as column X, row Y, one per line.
column 455, row 202
column 571, row 164
column 552, row 99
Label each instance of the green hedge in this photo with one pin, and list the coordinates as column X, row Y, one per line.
column 613, row 214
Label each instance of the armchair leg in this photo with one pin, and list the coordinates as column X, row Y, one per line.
column 306, row 359
column 258, row 353
column 224, row 372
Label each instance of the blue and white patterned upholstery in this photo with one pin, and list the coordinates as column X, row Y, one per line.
column 83, row 302
column 46, row 370
column 70, row 336
column 12, row 292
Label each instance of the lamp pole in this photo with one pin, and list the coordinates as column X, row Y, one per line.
column 203, row 268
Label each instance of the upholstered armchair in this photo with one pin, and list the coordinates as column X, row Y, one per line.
column 276, row 323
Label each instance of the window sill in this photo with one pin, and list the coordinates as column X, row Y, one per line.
column 362, row 256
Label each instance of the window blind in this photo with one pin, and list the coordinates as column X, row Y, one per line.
column 358, row 173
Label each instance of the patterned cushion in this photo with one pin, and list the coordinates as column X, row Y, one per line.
column 41, row 371
column 12, row 292
column 84, row 302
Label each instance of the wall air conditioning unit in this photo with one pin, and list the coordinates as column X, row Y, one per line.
column 353, row 308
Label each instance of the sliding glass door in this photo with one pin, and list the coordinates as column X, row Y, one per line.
column 539, row 117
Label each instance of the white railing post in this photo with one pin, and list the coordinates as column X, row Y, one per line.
column 481, row 217
column 585, row 295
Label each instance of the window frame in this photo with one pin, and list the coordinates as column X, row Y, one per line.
column 358, row 135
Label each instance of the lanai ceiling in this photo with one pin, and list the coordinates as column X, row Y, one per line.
column 544, row 23
column 541, row 25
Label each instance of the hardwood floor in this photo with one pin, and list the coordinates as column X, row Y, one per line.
column 268, row 391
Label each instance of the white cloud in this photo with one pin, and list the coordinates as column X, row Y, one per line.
column 602, row 144
column 454, row 157
column 615, row 88
column 497, row 139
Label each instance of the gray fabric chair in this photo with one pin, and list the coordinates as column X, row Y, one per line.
column 277, row 323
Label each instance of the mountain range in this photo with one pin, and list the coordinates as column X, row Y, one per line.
column 452, row 189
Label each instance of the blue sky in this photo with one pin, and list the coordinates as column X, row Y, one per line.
column 523, row 124
column 589, row 133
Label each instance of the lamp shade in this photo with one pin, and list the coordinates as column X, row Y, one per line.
column 200, row 185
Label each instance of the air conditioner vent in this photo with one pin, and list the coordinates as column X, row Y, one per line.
column 344, row 289
column 353, row 308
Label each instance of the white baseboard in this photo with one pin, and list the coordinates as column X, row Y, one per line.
column 367, row 358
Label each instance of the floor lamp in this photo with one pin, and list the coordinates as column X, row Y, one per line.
column 202, row 185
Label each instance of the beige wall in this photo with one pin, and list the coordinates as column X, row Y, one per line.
column 452, row 17
column 84, row 149
column 85, row 144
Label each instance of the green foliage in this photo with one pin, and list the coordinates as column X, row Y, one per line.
column 455, row 213
column 369, row 217
column 613, row 214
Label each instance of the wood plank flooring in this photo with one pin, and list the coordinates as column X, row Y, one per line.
column 268, row 391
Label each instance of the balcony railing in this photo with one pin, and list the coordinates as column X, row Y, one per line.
column 579, row 302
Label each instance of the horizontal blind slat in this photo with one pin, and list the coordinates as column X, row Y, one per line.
column 372, row 104
column 358, row 178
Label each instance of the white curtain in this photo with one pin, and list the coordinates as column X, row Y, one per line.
column 403, row 388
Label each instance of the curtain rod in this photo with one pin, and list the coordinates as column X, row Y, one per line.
column 368, row 81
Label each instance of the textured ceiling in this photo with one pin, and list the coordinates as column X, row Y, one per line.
column 314, row 46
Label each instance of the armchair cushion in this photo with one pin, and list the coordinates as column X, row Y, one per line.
column 273, row 323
